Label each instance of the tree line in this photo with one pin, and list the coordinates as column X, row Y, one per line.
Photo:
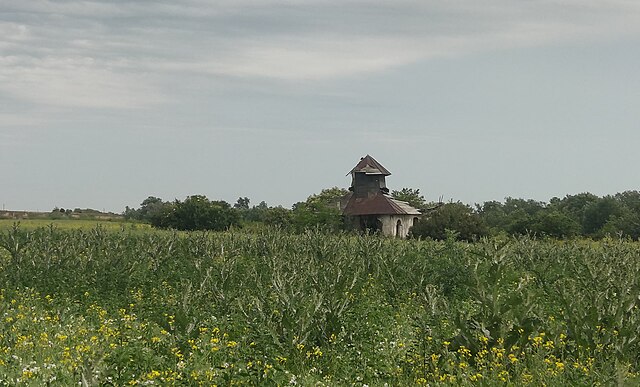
column 583, row 214
column 197, row 212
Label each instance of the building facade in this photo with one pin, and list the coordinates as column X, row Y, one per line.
column 369, row 208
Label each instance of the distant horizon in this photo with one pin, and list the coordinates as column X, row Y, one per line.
column 252, row 203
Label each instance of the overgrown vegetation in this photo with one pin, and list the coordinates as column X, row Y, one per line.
column 450, row 217
column 574, row 215
column 585, row 215
column 198, row 213
column 95, row 307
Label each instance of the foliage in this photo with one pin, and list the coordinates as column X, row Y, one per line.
column 93, row 307
column 242, row 203
column 515, row 216
column 196, row 212
column 493, row 214
column 574, row 205
column 328, row 197
column 150, row 210
column 554, row 223
column 277, row 216
column 319, row 211
column 597, row 213
column 456, row 217
column 582, row 214
column 199, row 213
column 411, row 196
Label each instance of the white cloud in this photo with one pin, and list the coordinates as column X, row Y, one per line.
column 11, row 31
column 79, row 81
column 355, row 48
column 299, row 59
column 94, row 53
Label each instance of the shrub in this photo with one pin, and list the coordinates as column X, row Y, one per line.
column 456, row 217
column 196, row 213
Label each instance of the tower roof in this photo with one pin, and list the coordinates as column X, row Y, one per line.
column 370, row 166
column 379, row 204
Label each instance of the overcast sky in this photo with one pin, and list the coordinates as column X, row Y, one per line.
column 103, row 103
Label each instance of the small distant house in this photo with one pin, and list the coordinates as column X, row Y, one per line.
column 369, row 206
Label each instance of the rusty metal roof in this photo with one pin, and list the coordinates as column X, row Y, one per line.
column 406, row 207
column 379, row 204
column 370, row 166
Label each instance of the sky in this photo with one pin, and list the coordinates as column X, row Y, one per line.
column 104, row 103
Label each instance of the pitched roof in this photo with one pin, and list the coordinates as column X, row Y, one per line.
column 379, row 204
column 406, row 207
column 370, row 166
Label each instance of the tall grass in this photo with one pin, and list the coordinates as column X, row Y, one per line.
column 126, row 307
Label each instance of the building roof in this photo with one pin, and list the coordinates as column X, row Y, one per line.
column 379, row 204
column 370, row 166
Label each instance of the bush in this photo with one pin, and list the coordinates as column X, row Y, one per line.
column 556, row 224
column 196, row 213
column 457, row 217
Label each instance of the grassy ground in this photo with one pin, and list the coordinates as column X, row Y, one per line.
column 71, row 224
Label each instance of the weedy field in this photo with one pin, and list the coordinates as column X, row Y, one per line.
column 71, row 224
column 124, row 307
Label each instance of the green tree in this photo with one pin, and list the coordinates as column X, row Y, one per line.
column 457, row 217
column 598, row 213
column 493, row 214
column 411, row 196
column 515, row 216
column 197, row 213
column 552, row 222
column 277, row 216
column 256, row 213
column 149, row 210
column 242, row 203
column 574, row 205
column 627, row 222
column 163, row 216
column 328, row 197
column 629, row 200
column 527, row 206
column 320, row 210
column 519, row 222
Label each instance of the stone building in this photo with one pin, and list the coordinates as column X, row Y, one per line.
column 369, row 206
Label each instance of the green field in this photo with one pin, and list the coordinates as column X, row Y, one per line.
column 102, row 306
column 71, row 224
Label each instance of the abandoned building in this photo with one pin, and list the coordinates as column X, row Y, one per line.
column 369, row 206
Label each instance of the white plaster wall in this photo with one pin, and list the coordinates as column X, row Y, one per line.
column 389, row 224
